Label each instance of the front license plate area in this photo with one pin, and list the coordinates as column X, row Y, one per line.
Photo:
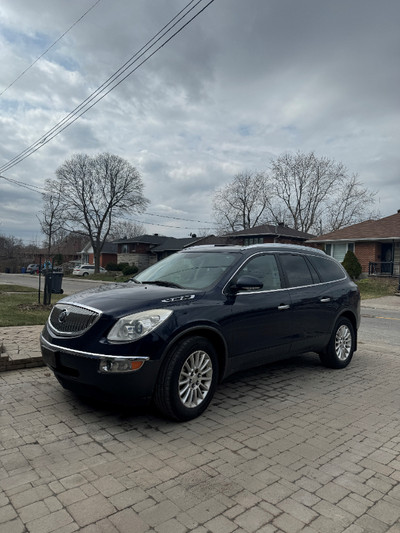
column 49, row 358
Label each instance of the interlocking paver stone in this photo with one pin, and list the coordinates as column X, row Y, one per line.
column 289, row 447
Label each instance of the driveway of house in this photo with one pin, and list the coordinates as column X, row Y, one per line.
column 285, row 448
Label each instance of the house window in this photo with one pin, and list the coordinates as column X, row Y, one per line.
column 253, row 240
column 124, row 249
column 338, row 249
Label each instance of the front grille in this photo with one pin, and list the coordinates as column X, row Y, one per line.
column 72, row 320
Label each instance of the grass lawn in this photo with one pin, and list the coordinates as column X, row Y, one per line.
column 19, row 306
column 377, row 287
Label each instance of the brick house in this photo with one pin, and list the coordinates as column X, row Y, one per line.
column 108, row 254
column 267, row 233
column 376, row 243
column 145, row 250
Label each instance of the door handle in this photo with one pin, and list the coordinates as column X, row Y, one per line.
column 282, row 307
column 325, row 300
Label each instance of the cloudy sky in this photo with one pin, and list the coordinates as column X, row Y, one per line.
column 245, row 81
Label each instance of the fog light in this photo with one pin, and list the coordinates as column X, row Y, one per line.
column 115, row 366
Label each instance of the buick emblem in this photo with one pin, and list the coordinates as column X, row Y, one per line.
column 63, row 316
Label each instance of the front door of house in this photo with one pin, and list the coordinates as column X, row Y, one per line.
column 387, row 258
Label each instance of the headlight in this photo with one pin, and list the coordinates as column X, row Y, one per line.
column 133, row 327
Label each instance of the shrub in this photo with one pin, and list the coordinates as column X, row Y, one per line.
column 129, row 270
column 352, row 265
column 112, row 267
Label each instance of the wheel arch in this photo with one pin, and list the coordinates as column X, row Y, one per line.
column 209, row 333
column 353, row 320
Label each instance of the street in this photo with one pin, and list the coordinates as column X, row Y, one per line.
column 380, row 326
column 69, row 285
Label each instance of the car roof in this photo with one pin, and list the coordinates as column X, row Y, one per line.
column 275, row 247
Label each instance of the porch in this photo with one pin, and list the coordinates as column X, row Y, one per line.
column 384, row 269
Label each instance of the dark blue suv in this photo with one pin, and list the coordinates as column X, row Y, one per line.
column 184, row 324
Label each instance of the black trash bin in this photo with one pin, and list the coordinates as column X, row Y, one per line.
column 52, row 285
column 56, row 282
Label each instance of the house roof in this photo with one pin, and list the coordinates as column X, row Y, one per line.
column 387, row 228
column 147, row 239
column 171, row 244
column 276, row 231
column 108, row 248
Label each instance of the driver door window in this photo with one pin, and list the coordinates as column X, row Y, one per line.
column 265, row 269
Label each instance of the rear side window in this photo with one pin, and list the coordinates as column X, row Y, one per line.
column 296, row 269
column 327, row 269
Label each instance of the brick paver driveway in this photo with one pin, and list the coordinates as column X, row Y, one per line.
column 290, row 447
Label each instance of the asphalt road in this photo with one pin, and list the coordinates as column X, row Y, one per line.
column 69, row 285
column 380, row 326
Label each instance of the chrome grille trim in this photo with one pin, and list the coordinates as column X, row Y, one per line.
column 69, row 320
column 92, row 355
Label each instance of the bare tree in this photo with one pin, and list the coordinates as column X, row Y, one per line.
column 314, row 194
column 52, row 216
column 124, row 228
column 242, row 203
column 94, row 191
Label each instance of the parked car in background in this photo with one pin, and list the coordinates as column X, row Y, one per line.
column 33, row 268
column 178, row 328
column 86, row 270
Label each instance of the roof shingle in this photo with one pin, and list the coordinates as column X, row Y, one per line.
column 385, row 228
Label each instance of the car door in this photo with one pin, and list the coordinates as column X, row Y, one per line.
column 259, row 322
column 312, row 303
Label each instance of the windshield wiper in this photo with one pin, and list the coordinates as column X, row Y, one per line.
column 163, row 284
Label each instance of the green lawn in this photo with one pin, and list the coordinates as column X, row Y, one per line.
column 19, row 306
column 377, row 287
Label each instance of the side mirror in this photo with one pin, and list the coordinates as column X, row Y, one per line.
column 246, row 283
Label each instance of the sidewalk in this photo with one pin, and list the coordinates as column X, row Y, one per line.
column 19, row 345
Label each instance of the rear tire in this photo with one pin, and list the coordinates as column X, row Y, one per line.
column 187, row 380
column 340, row 349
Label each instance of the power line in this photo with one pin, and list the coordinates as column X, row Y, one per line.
column 113, row 81
column 166, row 225
column 40, row 190
column 176, row 218
column 69, row 119
column 32, row 188
column 49, row 48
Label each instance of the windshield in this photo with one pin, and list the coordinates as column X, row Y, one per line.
column 192, row 270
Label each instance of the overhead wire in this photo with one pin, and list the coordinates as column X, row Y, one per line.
column 49, row 48
column 165, row 225
column 32, row 188
column 114, row 80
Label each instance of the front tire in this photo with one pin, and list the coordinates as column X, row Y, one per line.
column 187, row 380
column 340, row 349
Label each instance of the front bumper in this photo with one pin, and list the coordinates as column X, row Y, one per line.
column 94, row 374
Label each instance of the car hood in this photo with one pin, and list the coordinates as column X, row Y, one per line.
column 119, row 299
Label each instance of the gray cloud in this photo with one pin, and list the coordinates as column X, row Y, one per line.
column 244, row 82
